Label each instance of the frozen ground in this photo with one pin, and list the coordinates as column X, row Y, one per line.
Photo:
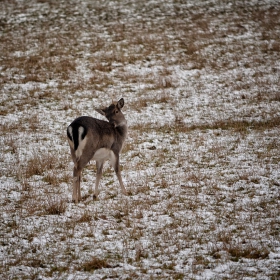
column 201, row 83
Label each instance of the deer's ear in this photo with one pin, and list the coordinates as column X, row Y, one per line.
column 100, row 111
column 120, row 103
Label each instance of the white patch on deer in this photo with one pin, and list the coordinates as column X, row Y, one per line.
column 82, row 143
column 70, row 131
column 122, row 123
column 103, row 154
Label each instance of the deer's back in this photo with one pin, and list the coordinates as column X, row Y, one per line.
column 98, row 133
column 93, row 125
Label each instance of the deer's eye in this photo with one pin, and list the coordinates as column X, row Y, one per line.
column 117, row 111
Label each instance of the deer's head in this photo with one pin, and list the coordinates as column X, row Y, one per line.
column 113, row 113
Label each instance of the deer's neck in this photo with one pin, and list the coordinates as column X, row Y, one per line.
column 122, row 130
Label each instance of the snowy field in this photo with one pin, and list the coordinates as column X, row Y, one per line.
column 201, row 84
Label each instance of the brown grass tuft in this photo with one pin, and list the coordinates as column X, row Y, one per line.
column 54, row 205
column 40, row 163
column 93, row 264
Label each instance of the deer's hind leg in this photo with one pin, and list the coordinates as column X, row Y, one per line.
column 77, row 173
column 79, row 165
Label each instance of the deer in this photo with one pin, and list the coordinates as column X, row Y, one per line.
column 91, row 138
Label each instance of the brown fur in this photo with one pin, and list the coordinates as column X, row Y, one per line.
column 99, row 140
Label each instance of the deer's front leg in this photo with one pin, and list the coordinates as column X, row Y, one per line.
column 118, row 173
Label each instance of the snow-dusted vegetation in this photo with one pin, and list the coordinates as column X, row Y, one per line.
column 201, row 84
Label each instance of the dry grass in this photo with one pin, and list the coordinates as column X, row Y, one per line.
column 54, row 206
column 93, row 264
column 238, row 126
column 39, row 163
